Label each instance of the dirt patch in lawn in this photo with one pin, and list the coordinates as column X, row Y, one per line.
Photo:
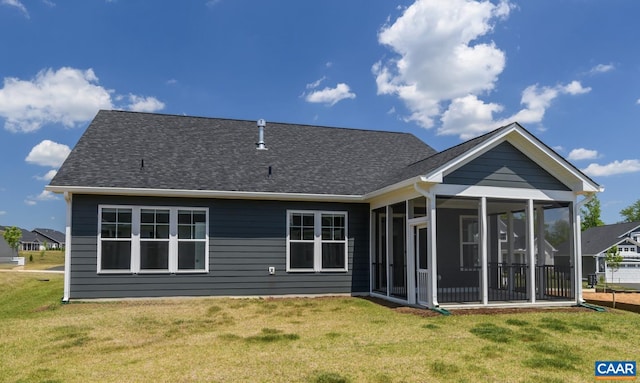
column 628, row 301
column 631, row 298
column 473, row 311
column 489, row 310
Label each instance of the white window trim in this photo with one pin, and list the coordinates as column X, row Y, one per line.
column 318, row 241
column 462, row 242
column 135, row 240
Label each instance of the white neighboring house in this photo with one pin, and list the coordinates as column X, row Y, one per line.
column 597, row 240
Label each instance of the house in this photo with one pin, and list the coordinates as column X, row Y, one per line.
column 52, row 238
column 596, row 241
column 28, row 240
column 164, row 205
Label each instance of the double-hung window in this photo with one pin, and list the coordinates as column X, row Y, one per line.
column 115, row 243
column 316, row 241
column 469, row 256
column 149, row 239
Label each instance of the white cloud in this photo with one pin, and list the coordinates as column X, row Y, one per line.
column 48, row 176
column 602, row 68
column 582, row 154
column 2, row 212
column 444, row 65
column 48, row 153
column 171, row 81
column 212, row 3
column 613, row 168
column 331, row 96
column 67, row 96
column 144, row 104
column 315, row 84
column 574, row 88
column 16, row 4
column 45, row 195
column 438, row 56
column 469, row 116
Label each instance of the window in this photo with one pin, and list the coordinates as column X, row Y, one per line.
column 152, row 239
column 115, row 246
column 469, row 257
column 192, row 239
column 316, row 241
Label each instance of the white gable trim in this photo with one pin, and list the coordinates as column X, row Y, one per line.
column 531, row 147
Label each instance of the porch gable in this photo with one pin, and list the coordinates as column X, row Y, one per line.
column 504, row 166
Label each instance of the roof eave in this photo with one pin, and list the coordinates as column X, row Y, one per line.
column 227, row 194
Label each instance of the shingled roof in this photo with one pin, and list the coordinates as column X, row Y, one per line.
column 154, row 151
column 597, row 239
column 50, row 234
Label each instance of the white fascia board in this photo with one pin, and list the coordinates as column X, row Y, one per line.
column 503, row 193
column 530, row 146
column 143, row 192
column 391, row 188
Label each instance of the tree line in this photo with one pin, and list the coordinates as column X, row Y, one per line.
column 591, row 213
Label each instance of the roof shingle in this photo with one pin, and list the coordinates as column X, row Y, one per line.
column 142, row 150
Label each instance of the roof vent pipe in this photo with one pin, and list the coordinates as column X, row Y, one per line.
column 261, row 125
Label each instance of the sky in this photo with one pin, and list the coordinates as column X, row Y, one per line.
column 445, row 71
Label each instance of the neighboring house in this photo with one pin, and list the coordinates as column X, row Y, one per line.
column 597, row 240
column 163, row 205
column 52, row 238
column 29, row 241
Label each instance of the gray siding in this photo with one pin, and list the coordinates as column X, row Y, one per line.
column 245, row 239
column 504, row 166
column 448, row 248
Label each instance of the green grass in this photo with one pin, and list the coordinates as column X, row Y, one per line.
column 291, row 340
column 40, row 260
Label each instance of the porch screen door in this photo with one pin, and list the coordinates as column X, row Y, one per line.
column 422, row 275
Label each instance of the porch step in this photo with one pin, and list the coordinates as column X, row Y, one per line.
column 441, row 311
column 592, row 307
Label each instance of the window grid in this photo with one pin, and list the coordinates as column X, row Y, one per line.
column 316, row 241
column 469, row 233
column 153, row 245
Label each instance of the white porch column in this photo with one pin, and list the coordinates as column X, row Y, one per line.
column 577, row 253
column 389, row 228
column 432, row 253
column 531, row 254
column 484, row 285
column 67, row 250
column 541, row 256
column 511, row 237
column 410, row 257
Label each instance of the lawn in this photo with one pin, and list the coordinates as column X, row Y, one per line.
column 298, row 340
column 40, row 260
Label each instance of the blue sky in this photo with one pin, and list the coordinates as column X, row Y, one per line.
column 445, row 71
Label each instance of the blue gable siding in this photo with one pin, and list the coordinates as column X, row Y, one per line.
column 504, row 166
column 246, row 237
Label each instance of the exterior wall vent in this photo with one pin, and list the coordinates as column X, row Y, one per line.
column 260, row 145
